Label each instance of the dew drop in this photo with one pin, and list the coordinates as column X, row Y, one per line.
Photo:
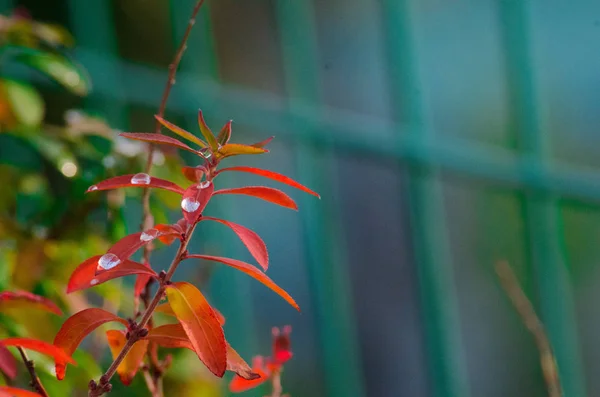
column 92, row 188
column 94, row 281
column 204, row 184
column 108, row 261
column 189, row 204
column 149, row 235
column 140, row 179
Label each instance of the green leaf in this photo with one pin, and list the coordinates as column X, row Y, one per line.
column 61, row 69
column 26, row 103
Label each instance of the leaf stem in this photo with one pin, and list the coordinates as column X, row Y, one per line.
column 36, row 384
column 523, row 306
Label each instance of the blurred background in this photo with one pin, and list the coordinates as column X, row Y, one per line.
column 442, row 135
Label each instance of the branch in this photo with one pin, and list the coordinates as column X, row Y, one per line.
column 104, row 386
column 525, row 309
column 36, row 384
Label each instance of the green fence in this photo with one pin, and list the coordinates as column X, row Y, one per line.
column 315, row 134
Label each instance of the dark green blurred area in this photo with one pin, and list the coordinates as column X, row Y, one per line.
column 442, row 136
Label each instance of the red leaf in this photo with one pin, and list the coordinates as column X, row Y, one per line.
column 84, row 276
column 252, row 272
column 225, row 133
column 262, row 192
column 39, row 346
column 271, row 175
column 124, row 248
column 23, row 300
column 132, row 361
column 8, row 364
column 158, row 139
column 201, row 325
column 206, row 132
column 195, row 199
column 193, row 174
column 137, row 180
column 16, row 392
column 251, row 240
column 165, row 308
column 180, row 131
column 140, row 282
column 264, row 143
column 174, row 336
column 76, row 328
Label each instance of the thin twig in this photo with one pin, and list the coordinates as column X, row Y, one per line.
column 147, row 216
column 523, row 306
column 36, row 384
column 103, row 386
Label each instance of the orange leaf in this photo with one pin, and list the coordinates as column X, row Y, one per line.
column 271, row 175
column 236, row 363
column 8, row 364
column 206, row 132
column 158, row 139
column 23, row 300
column 77, row 327
column 238, row 384
column 201, row 325
column 84, row 276
column 262, row 192
column 235, row 149
column 195, row 199
column 135, row 180
column 193, row 174
column 170, row 336
column 251, row 240
column 39, row 346
column 252, row 272
column 174, row 336
column 180, row 131
column 168, row 233
column 9, row 391
column 165, row 308
column 132, row 361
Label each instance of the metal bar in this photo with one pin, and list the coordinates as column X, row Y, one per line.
column 448, row 371
column 541, row 208
column 328, row 273
column 347, row 131
column 92, row 24
column 6, row 6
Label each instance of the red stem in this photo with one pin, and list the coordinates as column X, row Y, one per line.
column 103, row 386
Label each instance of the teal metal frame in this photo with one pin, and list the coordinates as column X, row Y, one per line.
column 118, row 83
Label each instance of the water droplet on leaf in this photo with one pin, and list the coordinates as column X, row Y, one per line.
column 189, row 204
column 108, row 261
column 140, row 179
column 205, row 184
column 94, row 281
column 149, row 235
column 92, row 188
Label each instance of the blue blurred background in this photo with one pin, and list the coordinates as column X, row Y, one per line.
column 442, row 135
